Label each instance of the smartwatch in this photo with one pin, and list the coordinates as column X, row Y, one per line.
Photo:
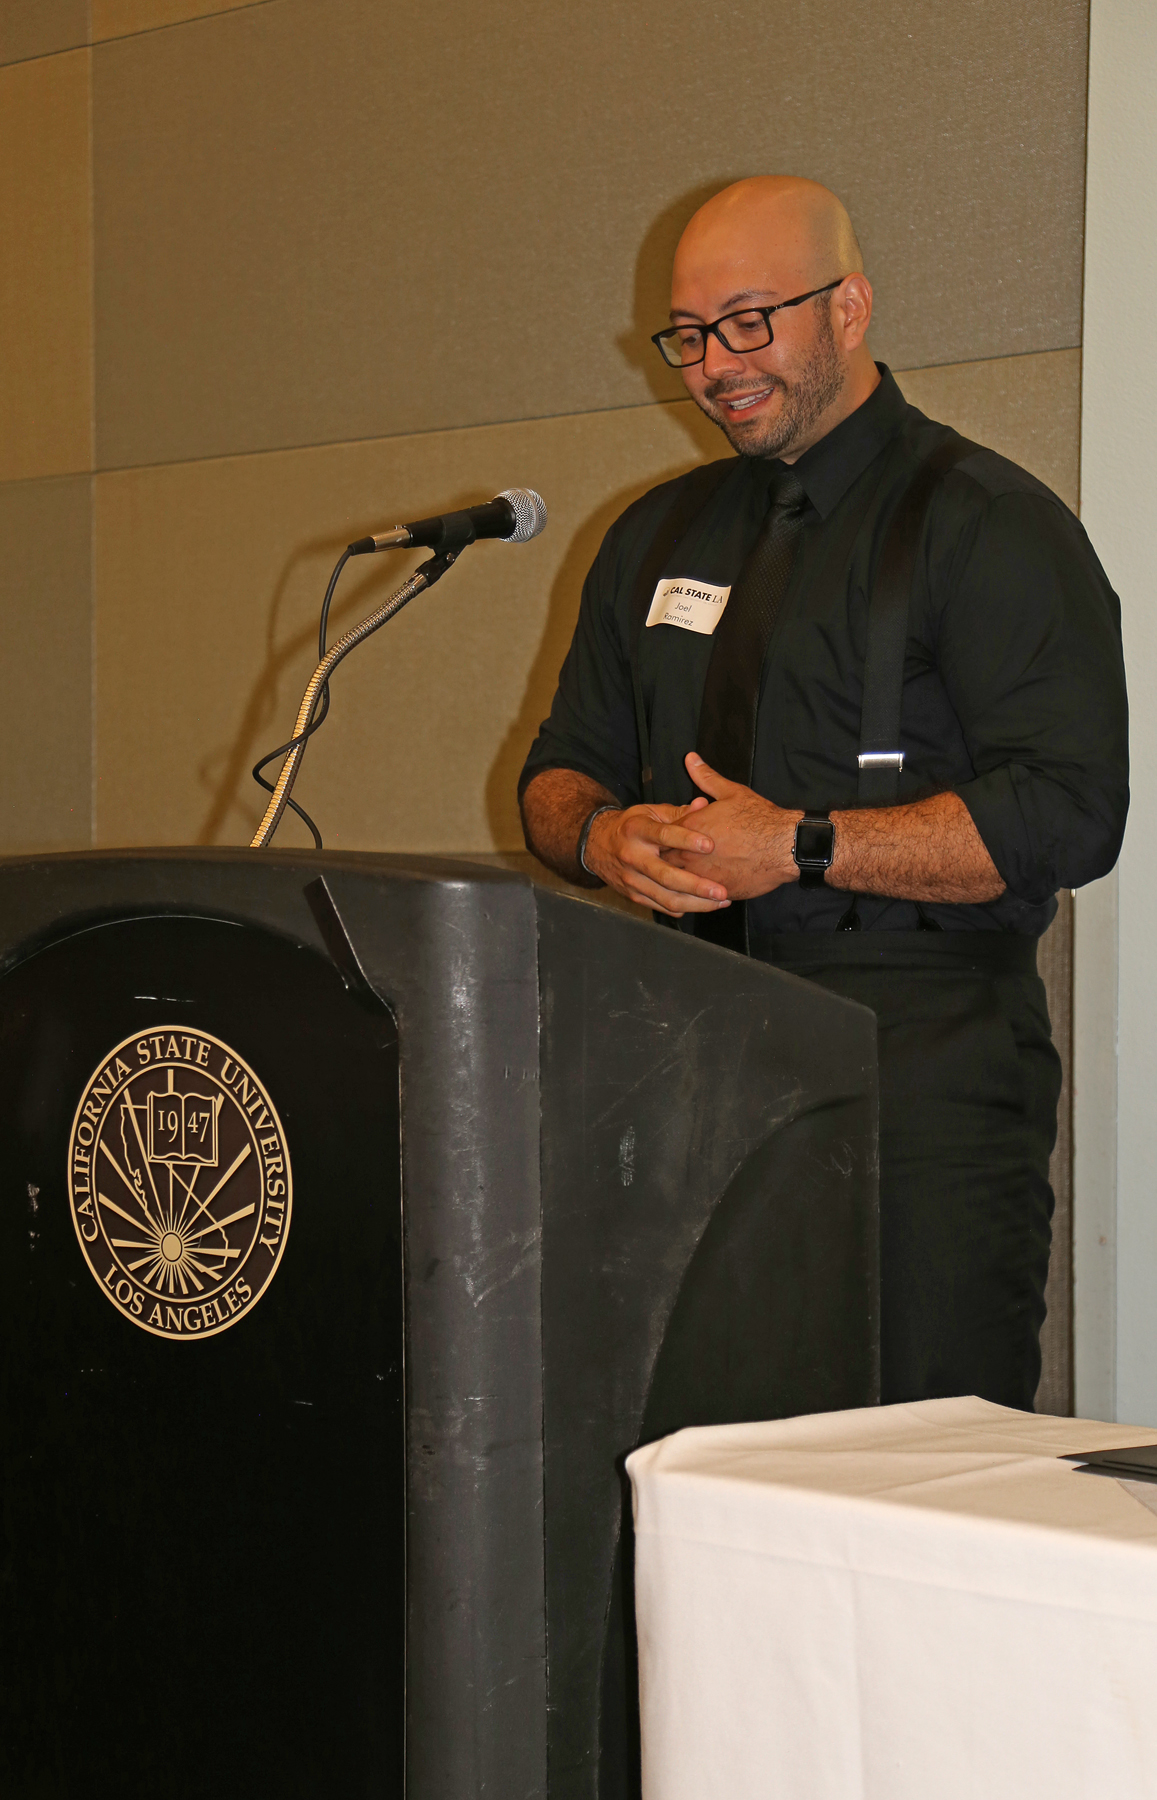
column 814, row 848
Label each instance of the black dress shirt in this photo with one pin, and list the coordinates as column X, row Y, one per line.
column 1014, row 685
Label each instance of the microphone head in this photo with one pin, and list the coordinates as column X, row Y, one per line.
column 529, row 511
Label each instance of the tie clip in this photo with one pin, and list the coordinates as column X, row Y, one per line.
column 881, row 759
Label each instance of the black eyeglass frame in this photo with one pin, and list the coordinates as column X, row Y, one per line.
column 712, row 330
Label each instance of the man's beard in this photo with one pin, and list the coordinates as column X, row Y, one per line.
column 805, row 398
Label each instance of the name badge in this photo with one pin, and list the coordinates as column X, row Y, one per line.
column 694, row 605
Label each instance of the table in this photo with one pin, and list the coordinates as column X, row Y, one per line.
column 912, row 1602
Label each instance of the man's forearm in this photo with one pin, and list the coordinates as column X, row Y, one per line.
column 555, row 806
column 930, row 850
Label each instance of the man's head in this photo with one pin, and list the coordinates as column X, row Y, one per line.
column 756, row 244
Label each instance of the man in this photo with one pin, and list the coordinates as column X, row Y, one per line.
column 1012, row 730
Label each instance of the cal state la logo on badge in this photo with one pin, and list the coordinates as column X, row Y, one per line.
column 179, row 1182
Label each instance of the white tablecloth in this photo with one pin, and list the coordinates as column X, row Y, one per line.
column 905, row 1603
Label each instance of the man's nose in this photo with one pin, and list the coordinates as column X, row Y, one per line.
column 719, row 361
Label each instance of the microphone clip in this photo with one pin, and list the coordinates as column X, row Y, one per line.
column 434, row 570
column 449, row 532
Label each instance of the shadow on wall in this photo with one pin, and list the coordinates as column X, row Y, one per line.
column 653, row 290
column 542, row 676
column 234, row 800
column 705, row 443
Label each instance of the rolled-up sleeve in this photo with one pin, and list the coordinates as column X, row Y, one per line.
column 1030, row 656
column 591, row 727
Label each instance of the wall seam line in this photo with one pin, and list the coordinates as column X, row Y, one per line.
column 594, row 412
column 221, row 12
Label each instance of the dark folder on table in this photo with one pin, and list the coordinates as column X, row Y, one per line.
column 1132, row 1462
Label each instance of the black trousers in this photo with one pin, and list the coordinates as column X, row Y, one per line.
column 969, row 1083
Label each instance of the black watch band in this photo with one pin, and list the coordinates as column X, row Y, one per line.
column 814, row 848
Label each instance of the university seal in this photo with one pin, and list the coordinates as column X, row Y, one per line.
column 179, row 1182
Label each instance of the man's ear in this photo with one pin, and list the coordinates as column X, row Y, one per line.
column 853, row 310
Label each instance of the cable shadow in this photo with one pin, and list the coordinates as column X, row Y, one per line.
column 705, row 443
column 264, row 722
column 652, row 289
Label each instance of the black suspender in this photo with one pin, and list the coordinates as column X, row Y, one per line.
column 880, row 758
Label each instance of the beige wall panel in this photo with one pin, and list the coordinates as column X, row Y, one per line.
column 1027, row 407
column 121, row 18
column 209, row 577
column 40, row 27
column 46, row 268
column 325, row 222
column 431, row 719
column 46, row 718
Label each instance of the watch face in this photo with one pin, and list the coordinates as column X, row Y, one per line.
column 813, row 842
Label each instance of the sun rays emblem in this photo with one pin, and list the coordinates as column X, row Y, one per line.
column 180, row 1182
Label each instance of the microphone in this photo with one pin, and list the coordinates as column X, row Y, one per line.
column 517, row 514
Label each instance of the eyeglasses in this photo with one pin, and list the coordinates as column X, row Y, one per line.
column 682, row 346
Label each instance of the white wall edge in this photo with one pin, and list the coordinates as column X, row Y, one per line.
column 1094, row 1080
column 1119, row 508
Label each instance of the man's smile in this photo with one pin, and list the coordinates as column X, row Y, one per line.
column 740, row 401
column 741, row 405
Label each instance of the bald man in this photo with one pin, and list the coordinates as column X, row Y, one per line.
column 703, row 755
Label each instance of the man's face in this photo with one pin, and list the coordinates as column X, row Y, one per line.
column 768, row 402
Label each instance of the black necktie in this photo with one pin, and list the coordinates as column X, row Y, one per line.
column 734, row 673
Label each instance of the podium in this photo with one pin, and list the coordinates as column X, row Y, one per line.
column 358, row 1216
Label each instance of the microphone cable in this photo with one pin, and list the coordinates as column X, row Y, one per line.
column 315, row 701
column 318, row 717
column 516, row 515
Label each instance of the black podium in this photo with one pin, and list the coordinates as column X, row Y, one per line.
column 357, row 1216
